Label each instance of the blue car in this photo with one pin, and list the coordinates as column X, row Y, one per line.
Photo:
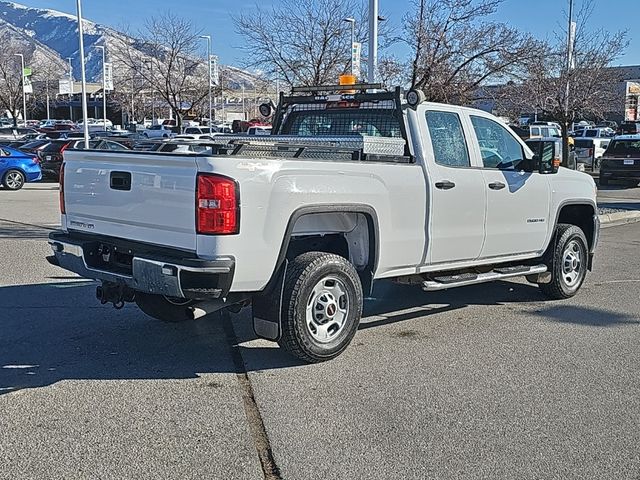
column 18, row 168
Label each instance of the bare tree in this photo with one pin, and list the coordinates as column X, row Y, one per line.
column 566, row 93
column 457, row 48
column 164, row 59
column 10, row 83
column 45, row 84
column 303, row 42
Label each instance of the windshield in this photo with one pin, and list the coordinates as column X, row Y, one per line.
column 343, row 122
column 624, row 147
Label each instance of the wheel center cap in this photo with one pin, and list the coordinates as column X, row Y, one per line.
column 331, row 309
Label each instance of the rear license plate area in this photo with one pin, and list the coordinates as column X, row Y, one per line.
column 108, row 258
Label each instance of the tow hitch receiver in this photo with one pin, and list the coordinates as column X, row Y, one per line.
column 115, row 293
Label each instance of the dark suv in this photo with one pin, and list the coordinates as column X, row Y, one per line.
column 51, row 156
column 628, row 128
column 621, row 160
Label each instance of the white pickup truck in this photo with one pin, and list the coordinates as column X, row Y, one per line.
column 350, row 188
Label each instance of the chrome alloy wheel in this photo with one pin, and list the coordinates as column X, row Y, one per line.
column 14, row 180
column 327, row 309
column 572, row 263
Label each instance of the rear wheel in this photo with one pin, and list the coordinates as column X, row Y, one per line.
column 13, row 180
column 165, row 309
column 567, row 260
column 323, row 305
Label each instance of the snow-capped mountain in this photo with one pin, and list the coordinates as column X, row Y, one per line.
column 52, row 37
column 56, row 32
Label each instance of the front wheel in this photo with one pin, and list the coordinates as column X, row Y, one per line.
column 165, row 309
column 13, row 180
column 322, row 306
column 567, row 261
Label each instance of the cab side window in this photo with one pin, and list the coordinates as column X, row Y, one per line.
column 447, row 139
column 499, row 149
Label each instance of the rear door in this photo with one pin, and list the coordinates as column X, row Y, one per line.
column 456, row 229
column 518, row 198
column 142, row 197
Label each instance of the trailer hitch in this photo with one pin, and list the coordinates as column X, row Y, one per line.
column 115, row 293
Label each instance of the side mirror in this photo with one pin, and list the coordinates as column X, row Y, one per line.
column 547, row 155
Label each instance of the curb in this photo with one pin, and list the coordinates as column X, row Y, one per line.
column 619, row 218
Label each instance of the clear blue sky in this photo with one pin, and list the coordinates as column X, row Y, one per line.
column 540, row 17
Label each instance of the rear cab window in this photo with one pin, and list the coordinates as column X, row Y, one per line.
column 624, row 147
column 447, row 139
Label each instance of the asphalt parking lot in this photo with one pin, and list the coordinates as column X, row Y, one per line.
column 484, row 382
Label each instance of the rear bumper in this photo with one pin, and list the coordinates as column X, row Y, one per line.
column 155, row 273
column 620, row 172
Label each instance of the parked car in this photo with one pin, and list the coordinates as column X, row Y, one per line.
column 621, row 160
column 18, row 168
column 95, row 124
column 596, row 132
column 259, row 131
column 199, row 130
column 158, row 131
column 15, row 133
column 544, row 131
column 301, row 228
column 52, row 155
column 589, row 150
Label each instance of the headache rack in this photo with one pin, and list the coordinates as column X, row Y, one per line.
column 353, row 148
column 347, row 106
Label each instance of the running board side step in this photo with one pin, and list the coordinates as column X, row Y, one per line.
column 501, row 273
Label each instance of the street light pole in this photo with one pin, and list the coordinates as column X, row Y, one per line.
column 70, row 89
column 104, row 87
column 352, row 21
column 83, row 74
column 373, row 40
column 208, row 38
column 24, row 96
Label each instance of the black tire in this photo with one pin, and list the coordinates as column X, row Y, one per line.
column 13, row 180
column 165, row 309
column 305, row 273
column 568, row 241
column 604, row 181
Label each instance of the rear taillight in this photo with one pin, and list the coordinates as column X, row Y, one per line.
column 217, row 205
column 62, row 209
column 35, row 160
column 590, row 151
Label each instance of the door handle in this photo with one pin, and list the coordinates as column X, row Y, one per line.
column 497, row 186
column 445, row 185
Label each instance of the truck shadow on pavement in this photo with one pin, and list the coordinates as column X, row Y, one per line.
column 23, row 231
column 58, row 331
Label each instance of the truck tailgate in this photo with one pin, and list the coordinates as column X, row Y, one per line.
column 142, row 197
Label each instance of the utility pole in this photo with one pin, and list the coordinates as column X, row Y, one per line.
column 104, row 87
column 208, row 38
column 48, row 109
column 567, row 93
column 84, row 76
column 24, row 95
column 373, row 40
column 352, row 21
column 70, row 89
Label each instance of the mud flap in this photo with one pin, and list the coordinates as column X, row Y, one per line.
column 267, row 308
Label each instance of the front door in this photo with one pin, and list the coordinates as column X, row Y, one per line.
column 456, row 230
column 518, row 197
